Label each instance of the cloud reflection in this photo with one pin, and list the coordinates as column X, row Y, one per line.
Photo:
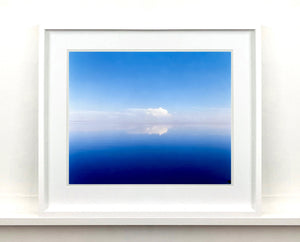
column 152, row 121
column 150, row 129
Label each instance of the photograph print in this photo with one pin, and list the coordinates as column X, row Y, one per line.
column 149, row 117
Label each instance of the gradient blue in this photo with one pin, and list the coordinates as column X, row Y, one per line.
column 175, row 80
column 181, row 82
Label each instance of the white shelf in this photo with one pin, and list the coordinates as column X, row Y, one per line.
column 23, row 211
column 35, row 220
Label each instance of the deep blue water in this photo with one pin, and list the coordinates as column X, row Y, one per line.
column 175, row 157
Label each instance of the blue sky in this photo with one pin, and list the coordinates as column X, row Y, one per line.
column 175, row 81
column 150, row 91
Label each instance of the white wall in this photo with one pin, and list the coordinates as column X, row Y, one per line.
column 280, row 22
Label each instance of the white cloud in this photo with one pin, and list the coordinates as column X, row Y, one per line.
column 157, row 112
column 147, row 120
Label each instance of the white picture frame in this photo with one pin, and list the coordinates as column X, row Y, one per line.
column 144, row 213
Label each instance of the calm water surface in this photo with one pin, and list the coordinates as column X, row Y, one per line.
column 155, row 156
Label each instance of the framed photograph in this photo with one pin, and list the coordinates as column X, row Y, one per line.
column 145, row 126
column 149, row 117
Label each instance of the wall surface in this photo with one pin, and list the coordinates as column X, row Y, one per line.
column 19, row 20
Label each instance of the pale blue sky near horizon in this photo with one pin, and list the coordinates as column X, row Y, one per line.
column 175, row 81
